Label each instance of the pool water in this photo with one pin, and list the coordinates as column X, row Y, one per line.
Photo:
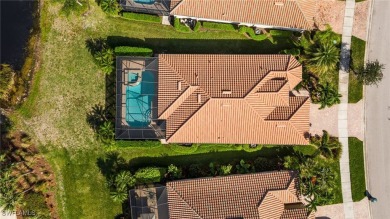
column 144, row 1
column 139, row 100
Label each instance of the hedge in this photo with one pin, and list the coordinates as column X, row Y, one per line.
column 251, row 32
column 280, row 33
column 149, row 175
column 180, row 27
column 219, row 26
column 133, row 51
column 141, row 17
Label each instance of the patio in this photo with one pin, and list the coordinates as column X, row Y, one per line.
column 159, row 7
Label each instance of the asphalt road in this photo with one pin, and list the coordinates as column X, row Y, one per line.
column 377, row 103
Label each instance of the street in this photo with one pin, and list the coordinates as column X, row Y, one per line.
column 377, row 103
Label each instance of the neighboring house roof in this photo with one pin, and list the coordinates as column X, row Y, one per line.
column 232, row 99
column 297, row 14
column 266, row 195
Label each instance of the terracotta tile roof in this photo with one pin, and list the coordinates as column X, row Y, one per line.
column 278, row 13
column 225, row 94
column 260, row 195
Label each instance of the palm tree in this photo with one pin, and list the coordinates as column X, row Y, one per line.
column 106, row 132
column 322, row 58
column 326, row 95
column 109, row 6
column 105, row 59
column 119, row 195
column 124, row 178
column 327, row 147
column 371, row 73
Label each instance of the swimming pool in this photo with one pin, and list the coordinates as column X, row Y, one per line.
column 139, row 99
column 144, row 1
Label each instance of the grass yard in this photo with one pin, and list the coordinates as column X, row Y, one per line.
column 69, row 84
column 356, row 165
column 358, row 48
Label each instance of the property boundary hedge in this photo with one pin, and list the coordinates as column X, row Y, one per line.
column 141, row 17
column 133, row 51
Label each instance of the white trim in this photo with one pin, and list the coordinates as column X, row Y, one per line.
column 240, row 23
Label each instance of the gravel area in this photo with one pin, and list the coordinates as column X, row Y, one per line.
column 361, row 210
column 332, row 12
column 326, row 119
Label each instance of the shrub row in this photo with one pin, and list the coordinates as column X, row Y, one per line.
column 142, row 17
column 133, row 51
column 251, row 32
column 219, row 26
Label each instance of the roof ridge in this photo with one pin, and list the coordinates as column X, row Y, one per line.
column 184, row 201
column 304, row 15
column 173, row 69
column 173, row 9
column 192, row 114
column 173, row 107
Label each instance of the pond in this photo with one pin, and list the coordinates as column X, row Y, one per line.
column 16, row 24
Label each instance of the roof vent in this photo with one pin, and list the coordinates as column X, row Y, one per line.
column 279, row 3
column 199, row 98
column 179, row 85
column 225, row 92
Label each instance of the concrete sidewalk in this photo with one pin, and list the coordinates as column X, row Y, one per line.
column 343, row 108
column 361, row 210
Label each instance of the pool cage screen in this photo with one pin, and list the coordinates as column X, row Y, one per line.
column 149, row 203
column 136, row 99
column 158, row 7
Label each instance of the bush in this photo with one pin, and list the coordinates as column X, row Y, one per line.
column 174, row 171
column 219, row 26
column 132, row 51
column 197, row 170
column 36, row 202
column 149, row 175
column 198, row 25
column 141, row 17
column 251, row 32
column 180, row 27
column 225, row 170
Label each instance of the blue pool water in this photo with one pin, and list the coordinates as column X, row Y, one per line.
column 139, row 99
column 144, row 1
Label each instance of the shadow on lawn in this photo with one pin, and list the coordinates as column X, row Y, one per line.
column 203, row 46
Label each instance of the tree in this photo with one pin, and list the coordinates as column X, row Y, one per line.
column 322, row 57
column 124, row 178
column 9, row 196
column 327, row 146
column 325, row 95
column 119, row 194
column 109, row 6
column 105, row 59
column 371, row 73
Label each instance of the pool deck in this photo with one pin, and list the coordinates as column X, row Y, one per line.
column 135, row 66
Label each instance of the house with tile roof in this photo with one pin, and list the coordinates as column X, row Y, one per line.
column 267, row 195
column 225, row 99
column 279, row 14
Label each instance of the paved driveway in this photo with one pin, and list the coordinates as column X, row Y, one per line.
column 361, row 211
column 326, row 119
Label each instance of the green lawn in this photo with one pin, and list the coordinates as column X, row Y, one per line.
column 356, row 165
column 358, row 47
